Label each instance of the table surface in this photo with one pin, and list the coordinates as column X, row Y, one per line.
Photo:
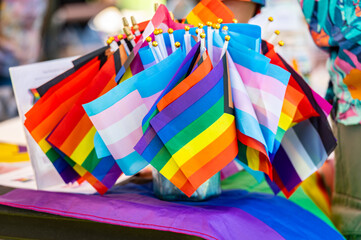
column 26, row 224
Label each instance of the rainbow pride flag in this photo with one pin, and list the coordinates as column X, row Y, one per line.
column 209, row 10
column 50, row 110
column 195, row 124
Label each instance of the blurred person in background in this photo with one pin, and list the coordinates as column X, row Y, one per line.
column 335, row 27
column 20, row 43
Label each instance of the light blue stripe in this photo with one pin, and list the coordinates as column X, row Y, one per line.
column 132, row 163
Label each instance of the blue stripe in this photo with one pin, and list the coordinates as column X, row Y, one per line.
column 132, row 163
column 103, row 167
column 190, row 114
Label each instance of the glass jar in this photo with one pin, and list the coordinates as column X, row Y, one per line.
column 166, row 190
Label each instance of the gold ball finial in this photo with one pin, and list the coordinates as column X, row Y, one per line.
column 148, row 39
column 281, row 43
column 156, row 31
column 218, row 26
column 155, row 44
column 235, row 20
column 227, row 38
column 170, row 30
column 200, row 25
column 187, row 28
column 203, row 35
column 209, row 24
column 120, row 36
column 225, row 28
column 277, row 32
column 197, row 31
column 177, row 44
column 214, row 25
column 130, row 37
column 270, row 19
column 109, row 41
column 160, row 31
column 220, row 20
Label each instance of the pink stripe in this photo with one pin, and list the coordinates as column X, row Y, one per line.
column 242, row 102
column 149, row 101
column 117, row 111
column 325, row 106
column 262, row 82
column 267, row 119
column 125, row 146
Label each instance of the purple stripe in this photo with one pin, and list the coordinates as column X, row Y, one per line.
column 266, row 118
column 22, row 149
column 285, row 170
column 145, row 140
column 187, row 99
column 112, row 176
column 140, row 211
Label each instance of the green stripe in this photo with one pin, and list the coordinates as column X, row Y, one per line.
column 196, row 127
column 91, row 161
column 52, row 155
column 161, row 159
column 242, row 153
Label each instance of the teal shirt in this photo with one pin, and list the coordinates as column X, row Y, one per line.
column 335, row 26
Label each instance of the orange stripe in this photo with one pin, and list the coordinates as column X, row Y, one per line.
column 100, row 187
column 76, row 136
column 214, row 166
column 204, row 13
column 250, row 142
column 179, row 180
column 39, row 111
column 210, row 151
column 48, row 124
column 186, row 84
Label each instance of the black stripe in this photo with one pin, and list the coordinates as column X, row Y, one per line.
column 46, row 86
column 191, row 66
column 117, row 60
column 78, row 63
column 226, row 93
column 129, row 44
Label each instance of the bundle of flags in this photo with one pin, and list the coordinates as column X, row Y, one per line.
column 190, row 101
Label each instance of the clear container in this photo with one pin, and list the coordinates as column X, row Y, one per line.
column 165, row 190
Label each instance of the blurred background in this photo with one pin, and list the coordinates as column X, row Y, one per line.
column 40, row 30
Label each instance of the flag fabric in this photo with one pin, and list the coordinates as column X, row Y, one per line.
column 234, row 214
column 118, row 114
column 209, row 10
column 306, row 145
column 161, row 19
column 50, row 109
column 48, row 112
column 74, row 135
column 195, row 124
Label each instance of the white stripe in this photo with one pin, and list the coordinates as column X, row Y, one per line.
column 298, row 156
column 124, row 126
column 265, row 100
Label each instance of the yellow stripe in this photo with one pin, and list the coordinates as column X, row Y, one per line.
column 44, row 145
column 13, row 158
column 80, row 170
column 252, row 158
column 193, row 19
column 203, row 139
column 169, row 169
column 128, row 74
column 84, row 148
column 285, row 121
